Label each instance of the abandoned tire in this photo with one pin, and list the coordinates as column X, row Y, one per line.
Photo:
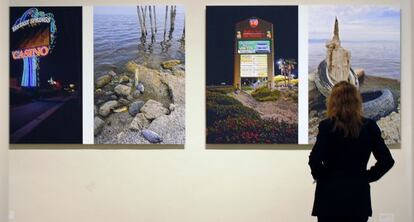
column 378, row 103
column 324, row 84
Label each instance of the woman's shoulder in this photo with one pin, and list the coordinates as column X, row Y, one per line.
column 326, row 124
column 368, row 122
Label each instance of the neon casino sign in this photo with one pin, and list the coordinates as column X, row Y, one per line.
column 26, row 53
column 35, row 34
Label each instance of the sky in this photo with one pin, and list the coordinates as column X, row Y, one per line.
column 220, row 28
column 356, row 23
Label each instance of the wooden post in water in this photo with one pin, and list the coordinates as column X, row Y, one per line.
column 172, row 20
column 140, row 21
column 144, row 15
column 152, row 28
column 155, row 18
column 165, row 21
column 183, row 36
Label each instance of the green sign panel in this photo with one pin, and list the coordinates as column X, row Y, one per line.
column 254, row 47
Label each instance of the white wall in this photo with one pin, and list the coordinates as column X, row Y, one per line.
column 4, row 100
column 191, row 184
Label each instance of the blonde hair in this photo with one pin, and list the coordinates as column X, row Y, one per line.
column 344, row 107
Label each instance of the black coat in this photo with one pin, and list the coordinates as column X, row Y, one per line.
column 339, row 166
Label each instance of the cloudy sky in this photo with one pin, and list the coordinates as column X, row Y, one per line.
column 356, row 23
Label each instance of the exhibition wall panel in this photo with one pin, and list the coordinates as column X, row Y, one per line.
column 195, row 183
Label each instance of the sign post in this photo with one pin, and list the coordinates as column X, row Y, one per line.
column 34, row 37
column 254, row 54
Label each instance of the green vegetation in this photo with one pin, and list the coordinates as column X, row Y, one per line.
column 220, row 107
column 263, row 94
column 229, row 121
column 291, row 95
column 247, row 88
column 222, row 89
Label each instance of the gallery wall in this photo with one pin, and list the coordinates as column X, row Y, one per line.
column 4, row 98
column 121, row 183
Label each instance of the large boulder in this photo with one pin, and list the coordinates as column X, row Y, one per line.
column 151, row 80
column 153, row 109
column 176, row 88
column 106, row 108
column 122, row 90
column 103, row 81
column 131, row 67
column 170, row 127
column 139, row 122
column 170, row 63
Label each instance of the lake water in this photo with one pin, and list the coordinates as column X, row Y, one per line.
column 376, row 58
column 117, row 40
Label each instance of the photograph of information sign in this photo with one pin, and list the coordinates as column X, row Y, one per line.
column 139, row 67
column 252, row 75
column 362, row 48
column 45, row 75
column 254, row 47
column 254, row 66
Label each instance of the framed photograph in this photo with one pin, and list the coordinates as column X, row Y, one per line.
column 252, row 75
column 46, row 75
column 359, row 44
column 139, row 62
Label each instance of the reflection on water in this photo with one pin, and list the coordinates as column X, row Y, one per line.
column 118, row 39
column 376, row 58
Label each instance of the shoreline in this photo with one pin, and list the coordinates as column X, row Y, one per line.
column 141, row 105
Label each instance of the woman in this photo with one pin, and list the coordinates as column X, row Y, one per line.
column 339, row 158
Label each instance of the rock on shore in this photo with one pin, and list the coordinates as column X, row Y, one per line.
column 106, row 108
column 135, row 107
column 170, row 127
column 122, row 90
column 153, row 109
column 128, row 114
column 170, row 64
column 102, row 81
column 139, row 122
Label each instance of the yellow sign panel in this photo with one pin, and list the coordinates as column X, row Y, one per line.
column 253, row 65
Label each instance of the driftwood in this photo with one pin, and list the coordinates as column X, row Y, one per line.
column 144, row 15
column 165, row 21
column 140, row 22
column 183, row 36
column 151, row 22
column 155, row 18
column 172, row 20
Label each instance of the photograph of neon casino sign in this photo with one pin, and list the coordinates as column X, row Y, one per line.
column 34, row 35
